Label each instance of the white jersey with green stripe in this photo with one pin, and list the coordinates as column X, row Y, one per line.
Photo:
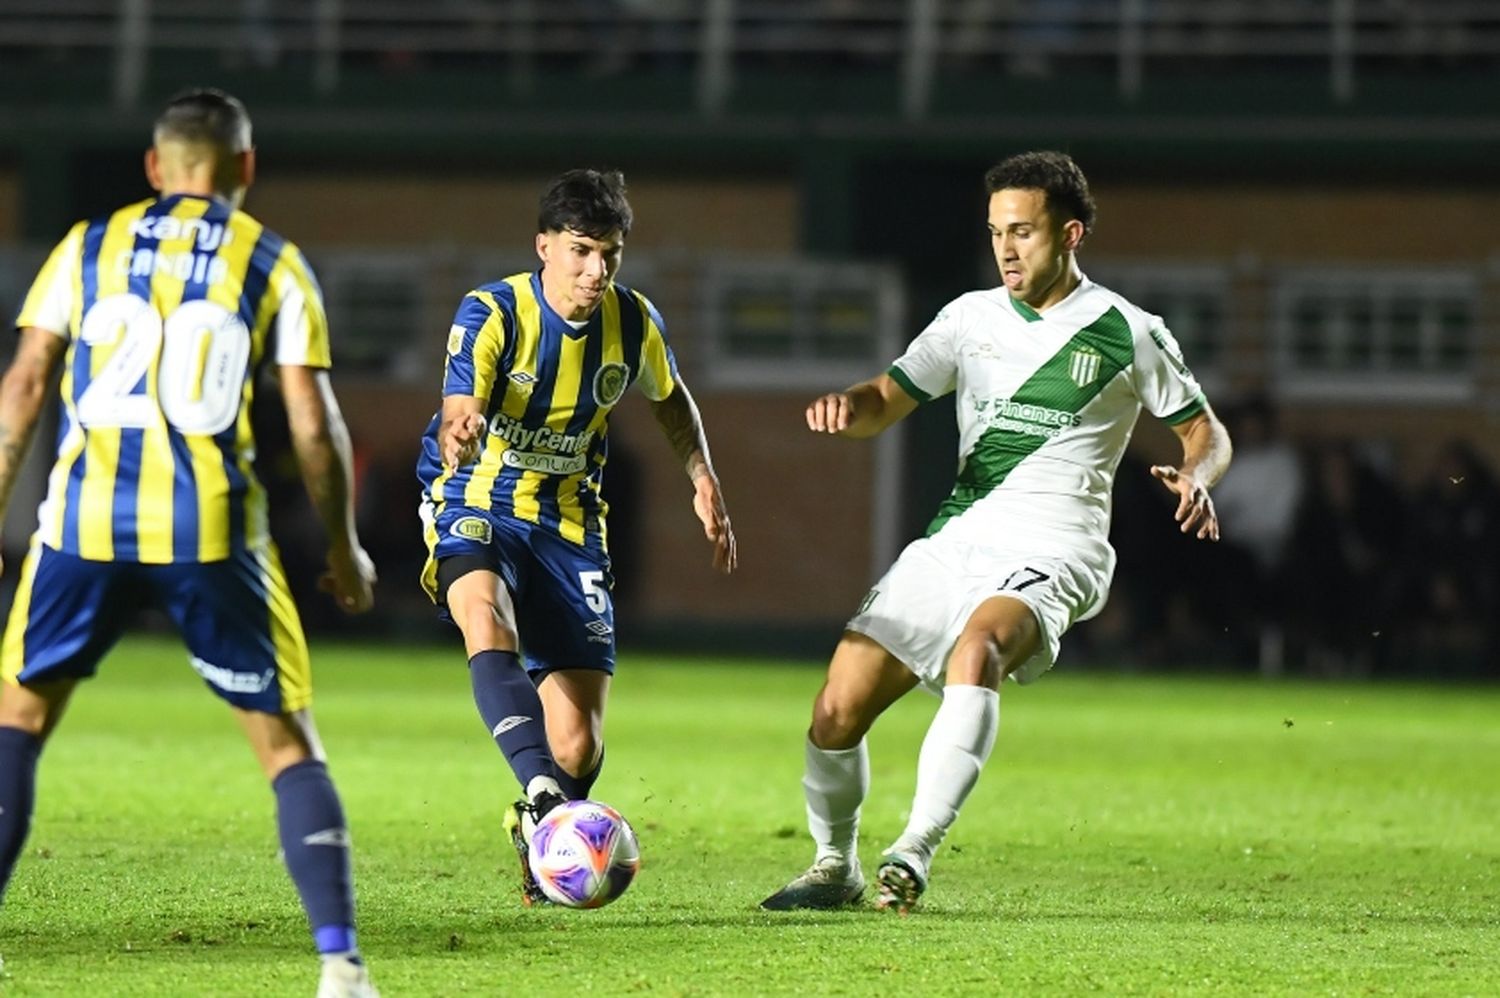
column 1046, row 405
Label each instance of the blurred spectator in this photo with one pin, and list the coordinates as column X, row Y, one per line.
column 1344, row 588
column 1257, row 501
column 1452, row 560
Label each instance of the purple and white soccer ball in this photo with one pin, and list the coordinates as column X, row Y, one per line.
column 584, row 854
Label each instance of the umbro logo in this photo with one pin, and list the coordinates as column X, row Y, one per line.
column 599, row 627
column 328, row 837
column 513, row 721
column 523, row 378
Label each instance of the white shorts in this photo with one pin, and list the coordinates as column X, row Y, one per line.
column 919, row 608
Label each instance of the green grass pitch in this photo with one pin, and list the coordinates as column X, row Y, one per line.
column 1131, row 835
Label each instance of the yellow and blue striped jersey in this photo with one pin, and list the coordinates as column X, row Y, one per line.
column 548, row 390
column 169, row 306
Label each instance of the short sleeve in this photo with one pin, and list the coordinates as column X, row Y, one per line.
column 301, row 324
column 658, row 373
column 1162, row 380
column 49, row 303
column 929, row 368
column 476, row 340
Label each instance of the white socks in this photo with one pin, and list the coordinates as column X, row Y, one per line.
column 957, row 744
column 835, row 783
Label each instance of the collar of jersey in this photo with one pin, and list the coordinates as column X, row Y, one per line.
column 1024, row 310
column 179, row 195
column 1030, row 314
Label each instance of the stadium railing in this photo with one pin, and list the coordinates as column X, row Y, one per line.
column 716, row 41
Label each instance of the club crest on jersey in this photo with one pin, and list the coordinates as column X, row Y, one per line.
column 471, row 528
column 1083, row 367
column 610, row 382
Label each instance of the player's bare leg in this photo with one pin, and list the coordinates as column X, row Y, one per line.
column 999, row 636
column 573, row 701
column 863, row 680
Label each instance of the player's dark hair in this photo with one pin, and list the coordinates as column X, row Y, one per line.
column 205, row 116
column 590, row 202
column 1055, row 175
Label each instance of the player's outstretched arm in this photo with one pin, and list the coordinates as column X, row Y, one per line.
column 1206, row 451
column 677, row 415
column 862, row 411
column 326, row 459
column 461, row 433
column 23, row 392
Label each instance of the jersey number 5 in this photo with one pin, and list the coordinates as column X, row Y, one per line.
column 594, row 593
column 200, row 378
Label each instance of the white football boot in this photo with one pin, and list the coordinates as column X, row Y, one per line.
column 902, row 878
column 343, row 978
column 831, row 882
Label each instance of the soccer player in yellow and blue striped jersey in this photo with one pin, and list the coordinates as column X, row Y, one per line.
column 511, row 470
column 160, row 315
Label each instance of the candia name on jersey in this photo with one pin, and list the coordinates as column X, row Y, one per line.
column 548, row 390
column 1046, row 405
column 168, row 306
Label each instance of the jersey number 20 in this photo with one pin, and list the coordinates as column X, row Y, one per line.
column 199, row 382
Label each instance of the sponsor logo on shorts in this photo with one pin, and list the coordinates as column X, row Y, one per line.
column 599, row 631
column 610, row 382
column 471, row 528
column 231, row 681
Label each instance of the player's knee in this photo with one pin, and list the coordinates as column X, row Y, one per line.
column 984, row 656
column 837, row 723
column 485, row 626
column 576, row 751
column 28, row 710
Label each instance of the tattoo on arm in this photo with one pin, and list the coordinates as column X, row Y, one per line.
column 677, row 415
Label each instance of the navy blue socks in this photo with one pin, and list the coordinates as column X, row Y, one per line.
column 512, row 711
column 18, row 754
column 315, row 841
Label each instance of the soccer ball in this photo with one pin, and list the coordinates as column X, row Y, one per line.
column 584, row 854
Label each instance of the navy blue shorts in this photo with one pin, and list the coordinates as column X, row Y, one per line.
column 242, row 631
column 565, row 618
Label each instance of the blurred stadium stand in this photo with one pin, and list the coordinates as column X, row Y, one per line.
column 1301, row 187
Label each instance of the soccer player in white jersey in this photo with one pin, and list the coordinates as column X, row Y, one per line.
column 1049, row 374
